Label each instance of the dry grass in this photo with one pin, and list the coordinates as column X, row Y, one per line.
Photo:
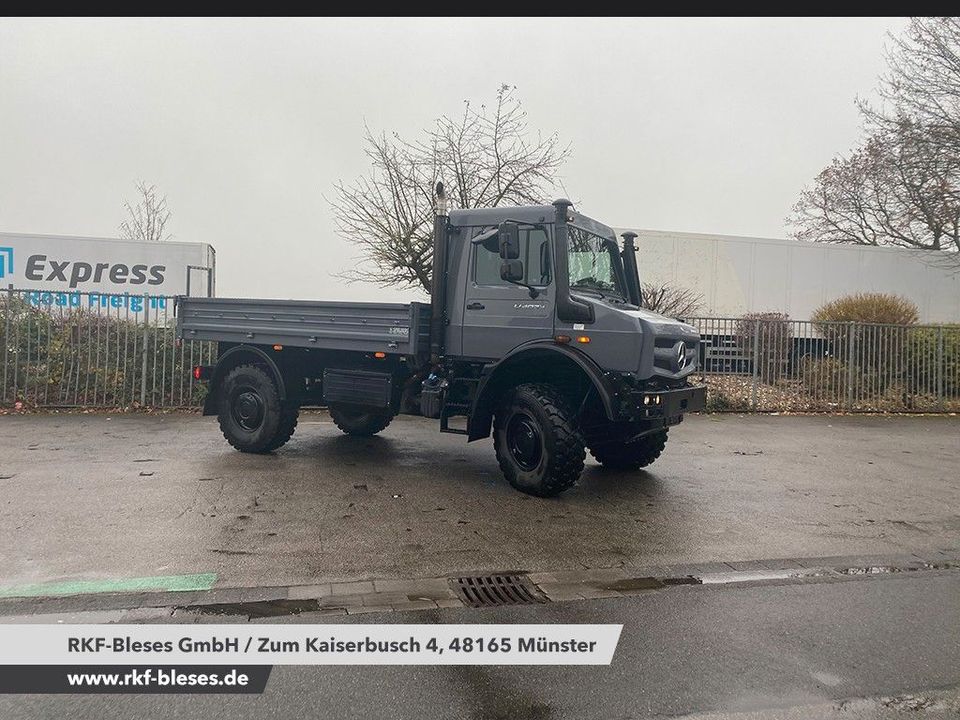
column 733, row 392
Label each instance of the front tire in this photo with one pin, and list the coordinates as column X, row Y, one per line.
column 538, row 443
column 360, row 420
column 630, row 455
column 252, row 416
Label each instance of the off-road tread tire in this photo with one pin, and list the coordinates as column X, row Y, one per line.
column 288, row 425
column 281, row 415
column 376, row 420
column 568, row 452
column 631, row 455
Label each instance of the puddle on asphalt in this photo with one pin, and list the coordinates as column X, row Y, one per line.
column 685, row 580
column 256, row 609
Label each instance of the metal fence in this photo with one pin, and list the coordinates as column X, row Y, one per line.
column 752, row 364
column 94, row 350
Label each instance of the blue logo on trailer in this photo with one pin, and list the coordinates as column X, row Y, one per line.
column 6, row 261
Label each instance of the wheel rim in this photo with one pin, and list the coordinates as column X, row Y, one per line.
column 524, row 441
column 247, row 409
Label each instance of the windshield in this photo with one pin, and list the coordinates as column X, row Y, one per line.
column 593, row 262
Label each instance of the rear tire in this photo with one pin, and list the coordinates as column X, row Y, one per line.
column 252, row 416
column 538, row 443
column 290, row 413
column 360, row 420
column 630, row 455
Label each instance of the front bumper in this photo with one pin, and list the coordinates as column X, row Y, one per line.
column 669, row 405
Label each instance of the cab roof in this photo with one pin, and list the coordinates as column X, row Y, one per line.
column 472, row 217
column 533, row 214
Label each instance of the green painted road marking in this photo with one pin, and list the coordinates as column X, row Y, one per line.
column 162, row 583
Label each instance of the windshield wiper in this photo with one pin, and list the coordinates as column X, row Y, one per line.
column 611, row 295
column 589, row 289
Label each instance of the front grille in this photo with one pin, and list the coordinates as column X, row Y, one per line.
column 665, row 355
column 495, row 590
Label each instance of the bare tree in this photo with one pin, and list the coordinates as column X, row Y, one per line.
column 147, row 220
column 484, row 157
column 923, row 80
column 902, row 185
column 670, row 300
column 897, row 189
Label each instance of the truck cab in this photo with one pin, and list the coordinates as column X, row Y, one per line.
column 535, row 334
column 490, row 315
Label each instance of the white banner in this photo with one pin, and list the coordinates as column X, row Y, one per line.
column 308, row 644
column 66, row 265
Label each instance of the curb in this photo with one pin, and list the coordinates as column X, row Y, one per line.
column 273, row 604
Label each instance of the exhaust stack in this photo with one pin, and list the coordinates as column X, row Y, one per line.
column 629, row 257
column 438, row 289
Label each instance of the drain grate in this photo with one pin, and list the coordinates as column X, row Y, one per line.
column 492, row 590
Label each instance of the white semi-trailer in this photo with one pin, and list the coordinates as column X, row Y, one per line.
column 739, row 275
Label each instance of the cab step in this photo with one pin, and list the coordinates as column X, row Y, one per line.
column 445, row 427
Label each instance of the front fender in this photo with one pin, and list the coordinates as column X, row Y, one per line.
column 534, row 357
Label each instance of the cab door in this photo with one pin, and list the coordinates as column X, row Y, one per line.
column 497, row 315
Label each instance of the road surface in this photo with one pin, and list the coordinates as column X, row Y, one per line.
column 870, row 647
column 102, row 497
column 93, row 504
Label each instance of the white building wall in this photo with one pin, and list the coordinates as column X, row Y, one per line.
column 738, row 275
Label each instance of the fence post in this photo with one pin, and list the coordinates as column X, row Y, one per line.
column 6, row 338
column 756, row 363
column 940, row 368
column 143, row 351
column 851, row 341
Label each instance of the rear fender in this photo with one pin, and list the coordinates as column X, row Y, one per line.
column 234, row 357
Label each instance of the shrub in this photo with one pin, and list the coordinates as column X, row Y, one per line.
column 867, row 330
column 824, row 378
column 774, row 342
column 920, row 372
column 94, row 358
column 869, row 308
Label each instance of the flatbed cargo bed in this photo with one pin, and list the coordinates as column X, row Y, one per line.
column 400, row 328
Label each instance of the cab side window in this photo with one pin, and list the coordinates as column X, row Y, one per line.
column 536, row 254
column 534, row 251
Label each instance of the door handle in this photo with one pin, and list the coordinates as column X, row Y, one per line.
column 475, row 306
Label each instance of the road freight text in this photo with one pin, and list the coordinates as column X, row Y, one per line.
column 133, row 303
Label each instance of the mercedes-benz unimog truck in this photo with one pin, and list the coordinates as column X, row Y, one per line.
column 534, row 334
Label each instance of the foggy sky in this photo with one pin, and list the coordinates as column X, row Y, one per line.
column 697, row 125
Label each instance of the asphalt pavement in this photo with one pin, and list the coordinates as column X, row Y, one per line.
column 866, row 647
column 97, row 497
column 103, row 518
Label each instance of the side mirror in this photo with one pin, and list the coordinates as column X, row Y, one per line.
column 511, row 271
column 509, row 234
